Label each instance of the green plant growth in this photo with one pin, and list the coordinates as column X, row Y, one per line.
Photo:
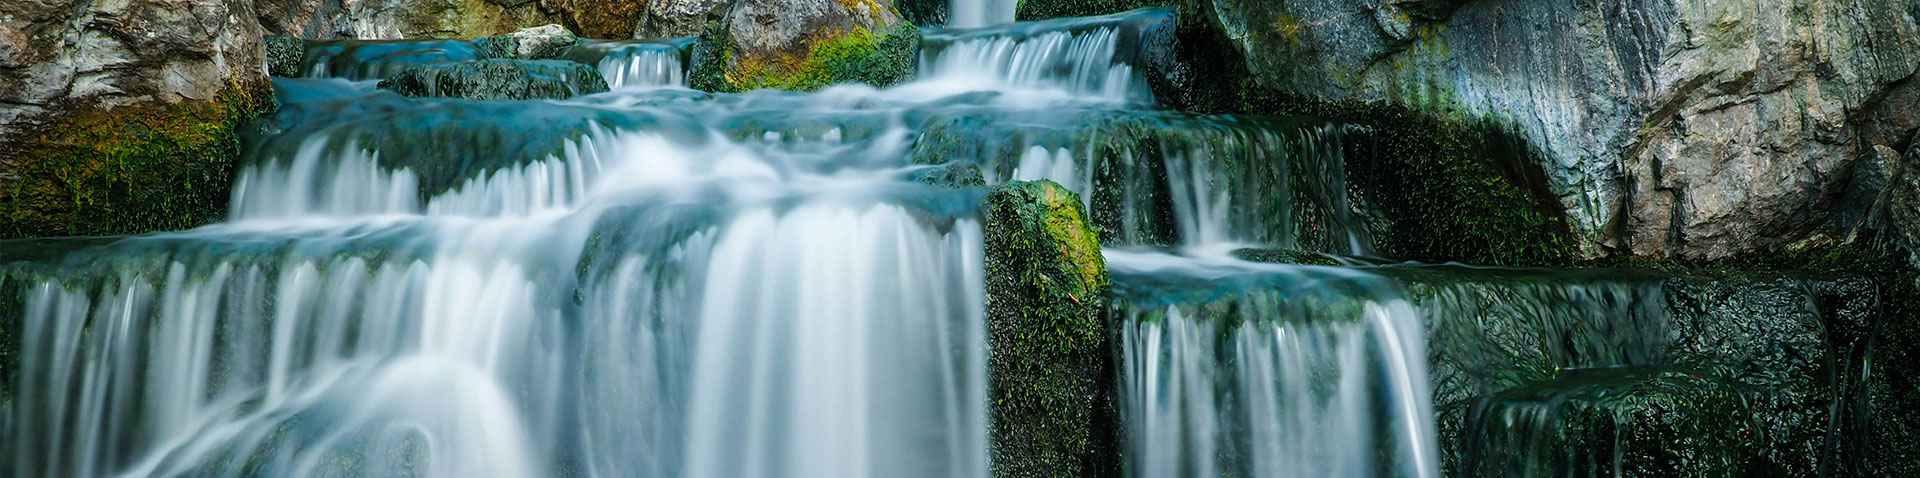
column 1049, row 365
column 129, row 170
column 856, row 55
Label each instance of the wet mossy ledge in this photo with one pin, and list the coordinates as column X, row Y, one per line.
column 130, row 170
column 855, row 41
column 496, row 79
column 1049, row 365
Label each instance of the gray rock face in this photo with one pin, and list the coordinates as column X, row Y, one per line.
column 74, row 58
column 788, row 28
column 1673, row 128
column 678, row 18
column 496, row 79
column 402, row 19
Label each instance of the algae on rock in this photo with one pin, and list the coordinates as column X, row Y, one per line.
column 805, row 45
column 1050, row 367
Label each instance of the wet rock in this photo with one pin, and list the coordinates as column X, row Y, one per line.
column 679, row 18
column 1676, row 128
column 400, row 19
column 378, row 59
column 543, row 42
column 805, row 45
column 1049, row 366
column 496, row 79
column 284, row 55
column 924, row 12
column 957, row 174
column 119, row 117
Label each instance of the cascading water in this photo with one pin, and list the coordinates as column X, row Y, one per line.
column 980, row 13
column 660, row 282
column 1232, row 368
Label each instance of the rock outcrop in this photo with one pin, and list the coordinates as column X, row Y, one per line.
column 496, row 79
column 805, row 45
column 119, row 117
column 678, row 18
column 1668, row 128
column 409, row 19
column 1049, row 368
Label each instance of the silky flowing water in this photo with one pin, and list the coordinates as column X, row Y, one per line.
column 660, row 282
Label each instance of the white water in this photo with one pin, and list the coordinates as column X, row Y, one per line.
column 980, row 13
column 1282, row 387
column 639, row 302
column 643, row 66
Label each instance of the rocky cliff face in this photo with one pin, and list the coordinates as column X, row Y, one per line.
column 1668, row 128
column 118, row 116
column 398, row 19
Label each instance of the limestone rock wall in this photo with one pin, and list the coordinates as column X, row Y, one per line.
column 1668, row 128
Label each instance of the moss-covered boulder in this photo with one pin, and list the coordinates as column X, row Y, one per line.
column 119, row 117
column 1049, row 366
column 496, row 79
column 805, row 45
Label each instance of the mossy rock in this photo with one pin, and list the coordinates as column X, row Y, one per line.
column 1030, row 10
column 1050, row 367
column 497, row 79
column 284, row 55
column 129, row 170
column 957, row 174
column 857, row 41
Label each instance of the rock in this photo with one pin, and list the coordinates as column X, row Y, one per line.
column 284, row 55
column 1666, row 128
column 679, row 18
column 609, row 19
column 543, row 42
column 407, row 19
column 805, row 45
column 957, row 174
column 119, row 117
column 1049, row 369
column 924, row 12
column 496, row 79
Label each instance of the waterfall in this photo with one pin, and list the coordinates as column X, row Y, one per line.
column 980, row 13
column 1291, row 371
column 658, row 282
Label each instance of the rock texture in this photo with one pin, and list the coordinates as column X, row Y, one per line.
column 407, row 19
column 496, row 79
column 1049, row 366
column 1668, row 128
column 805, row 45
column 118, row 116
column 678, row 18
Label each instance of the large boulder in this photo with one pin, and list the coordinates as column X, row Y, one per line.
column 805, row 45
column 1669, row 128
column 119, row 116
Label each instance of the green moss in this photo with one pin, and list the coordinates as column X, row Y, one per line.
column 284, row 54
column 853, row 56
column 130, row 169
column 1050, row 367
column 1030, row 10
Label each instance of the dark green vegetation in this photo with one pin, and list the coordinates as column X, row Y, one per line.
column 284, row 55
column 496, row 79
column 130, row 170
column 854, row 56
column 1049, row 370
